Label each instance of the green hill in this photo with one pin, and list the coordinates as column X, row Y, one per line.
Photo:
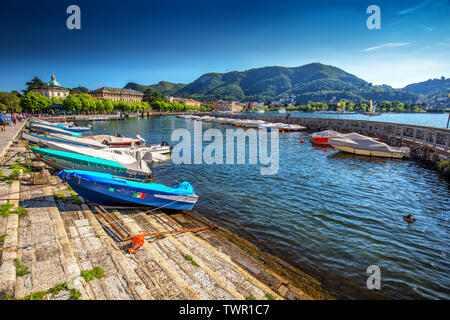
column 311, row 82
column 431, row 89
column 164, row 87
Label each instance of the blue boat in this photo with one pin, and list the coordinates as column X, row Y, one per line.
column 71, row 128
column 52, row 129
column 108, row 190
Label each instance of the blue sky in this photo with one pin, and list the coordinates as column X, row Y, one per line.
column 150, row 41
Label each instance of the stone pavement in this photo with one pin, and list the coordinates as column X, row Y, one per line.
column 6, row 137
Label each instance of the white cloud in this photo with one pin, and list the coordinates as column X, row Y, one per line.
column 385, row 45
column 410, row 10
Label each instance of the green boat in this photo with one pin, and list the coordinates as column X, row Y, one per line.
column 73, row 161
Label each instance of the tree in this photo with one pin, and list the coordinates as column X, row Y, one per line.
column 34, row 84
column 151, row 95
column 11, row 101
column 33, row 102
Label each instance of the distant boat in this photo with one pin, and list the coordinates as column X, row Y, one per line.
column 103, row 162
column 282, row 111
column 367, row 146
column 68, row 127
column 372, row 109
column 52, row 129
column 107, row 190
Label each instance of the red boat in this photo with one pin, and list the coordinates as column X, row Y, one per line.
column 323, row 136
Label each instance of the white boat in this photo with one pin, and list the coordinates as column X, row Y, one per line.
column 252, row 123
column 195, row 117
column 99, row 118
column 61, row 156
column 260, row 111
column 232, row 121
column 282, row 111
column 117, row 140
column 295, row 127
column 42, row 139
column 367, row 146
column 52, row 129
column 205, row 118
column 223, row 120
column 154, row 153
column 270, row 126
column 217, row 120
column 323, row 136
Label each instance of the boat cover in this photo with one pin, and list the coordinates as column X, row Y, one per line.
column 184, row 188
column 357, row 141
column 328, row 134
column 54, row 128
column 78, row 141
column 97, row 158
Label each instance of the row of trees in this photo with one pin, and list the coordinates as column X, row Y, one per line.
column 83, row 103
column 384, row 106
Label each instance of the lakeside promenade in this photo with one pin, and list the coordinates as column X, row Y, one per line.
column 8, row 136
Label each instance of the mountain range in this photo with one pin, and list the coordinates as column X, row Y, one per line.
column 312, row 82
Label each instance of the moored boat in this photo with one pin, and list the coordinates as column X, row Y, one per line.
column 367, row 146
column 117, row 140
column 52, row 129
column 135, row 169
column 107, row 190
column 53, row 137
column 323, row 136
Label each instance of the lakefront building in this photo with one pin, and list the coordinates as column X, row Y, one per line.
column 52, row 89
column 117, row 94
column 189, row 102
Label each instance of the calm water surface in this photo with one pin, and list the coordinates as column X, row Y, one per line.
column 327, row 213
column 424, row 119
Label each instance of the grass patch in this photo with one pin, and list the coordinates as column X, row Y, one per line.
column 40, row 295
column 444, row 166
column 189, row 258
column 18, row 166
column 20, row 211
column 269, row 296
column 75, row 198
column 250, row 297
column 5, row 209
column 97, row 272
column 2, row 239
column 20, row 270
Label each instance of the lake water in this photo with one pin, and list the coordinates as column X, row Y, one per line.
column 330, row 214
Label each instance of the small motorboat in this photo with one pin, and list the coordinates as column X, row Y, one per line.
column 65, row 126
column 367, row 146
column 53, row 137
column 252, row 123
column 96, row 160
column 52, row 129
column 108, row 190
column 323, row 136
column 282, row 111
column 117, row 140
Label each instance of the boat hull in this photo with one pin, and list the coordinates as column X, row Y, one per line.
column 370, row 153
column 101, row 193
